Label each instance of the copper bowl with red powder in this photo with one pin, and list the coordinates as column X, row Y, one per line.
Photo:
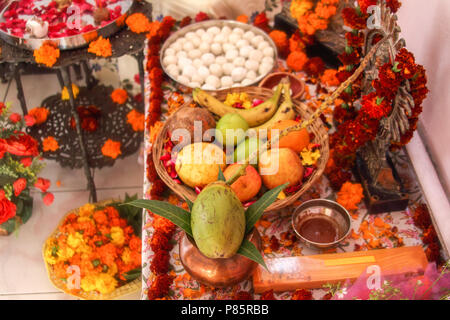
column 273, row 79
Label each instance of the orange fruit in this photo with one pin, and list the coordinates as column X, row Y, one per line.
column 296, row 140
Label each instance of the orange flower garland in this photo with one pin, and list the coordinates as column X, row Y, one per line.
column 111, row 149
column 40, row 114
column 138, row 23
column 47, row 54
column 119, row 96
column 101, row 47
column 310, row 20
column 50, row 144
column 296, row 60
column 136, row 119
column 281, row 41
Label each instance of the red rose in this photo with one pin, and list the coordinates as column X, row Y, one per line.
column 15, row 117
column 201, row 16
column 7, row 209
column 48, row 198
column 29, row 120
column 21, row 144
column 26, row 162
column 42, row 184
column 19, row 185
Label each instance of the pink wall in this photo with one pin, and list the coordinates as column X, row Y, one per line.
column 425, row 27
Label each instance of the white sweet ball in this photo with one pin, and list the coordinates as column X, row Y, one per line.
column 194, row 84
column 246, row 82
column 226, row 30
column 176, row 46
column 238, row 30
column 189, row 35
column 197, row 78
column 169, row 52
column 268, row 60
column 194, row 54
column 183, row 80
column 182, row 62
column 208, row 87
column 228, row 46
column 238, row 74
column 264, row 68
column 220, row 38
column 215, row 69
column 234, row 37
column 196, row 42
column 221, row 60
column 256, row 40
column 216, row 48
column 255, row 55
column 251, row 65
column 239, row 62
column 207, row 37
column 242, row 43
column 208, row 58
column 251, row 75
column 263, row 45
column 181, row 40
column 245, row 51
column 249, row 35
column 213, row 81
column 197, row 63
column 189, row 70
column 173, row 70
column 200, row 32
column 268, row 52
column 226, row 81
column 204, row 47
column 227, row 68
column 170, row 60
column 181, row 54
column 213, row 30
column 231, row 54
column 203, row 72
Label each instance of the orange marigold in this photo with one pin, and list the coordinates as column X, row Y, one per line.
column 47, row 54
column 111, row 149
column 329, row 78
column 154, row 130
column 50, row 144
column 296, row 60
column 136, row 119
column 242, row 18
column 40, row 114
column 281, row 40
column 350, row 195
column 101, row 47
column 119, row 96
column 138, row 23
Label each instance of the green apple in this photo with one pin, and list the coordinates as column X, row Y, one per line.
column 247, row 148
column 231, row 129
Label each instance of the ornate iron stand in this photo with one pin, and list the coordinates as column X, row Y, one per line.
column 20, row 61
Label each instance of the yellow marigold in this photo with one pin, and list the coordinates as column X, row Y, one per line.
column 350, row 195
column 75, row 240
column 65, row 253
column 65, row 92
column 299, row 7
column 111, row 149
column 101, row 47
column 138, row 23
column 126, row 255
column 117, row 236
column 136, row 119
column 119, row 96
column 50, row 144
column 86, row 210
column 154, row 130
column 112, row 270
column 105, row 283
column 309, row 157
column 50, row 253
column 47, row 54
column 88, row 283
column 296, row 60
column 242, row 18
column 40, row 114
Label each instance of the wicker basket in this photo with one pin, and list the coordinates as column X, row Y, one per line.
column 126, row 289
column 317, row 128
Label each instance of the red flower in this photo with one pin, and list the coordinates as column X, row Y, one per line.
column 353, row 40
column 389, row 78
column 20, row 144
column 406, row 63
column 160, row 262
column 201, row 16
column 352, row 58
column 166, row 26
column 42, row 184
column 394, row 5
column 364, row 4
column 314, row 67
column 262, row 22
column 160, row 241
column 26, row 162
column 160, row 286
column 268, row 295
column 2, row 106
column 185, row 21
column 29, row 120
column 7, row 209
column 48, row 198
column 19, row 185
column 374, row 106
column 242, row 295
column 353, row 20
column 302, row 294
column 422, row 217
column 15, row 117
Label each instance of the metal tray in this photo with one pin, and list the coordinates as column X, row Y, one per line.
column 69, row 42
column 220, row 24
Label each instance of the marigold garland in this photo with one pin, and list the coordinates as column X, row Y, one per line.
column 138, row 23
column 47, row 54
column 311, row 18
column 111, row 149
column 296, row 60
column 281, row 41
column 101, row 47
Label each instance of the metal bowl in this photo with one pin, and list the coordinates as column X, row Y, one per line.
column 329, row 210
column 69, row 42
column 220, row 24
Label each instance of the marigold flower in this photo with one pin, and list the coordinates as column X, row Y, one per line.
column 40, row 114
column 261, row 21
column 50, row 144
column 119, row 96
column 160, row 286
column 136, row 119
column 160, row 262
column 350, row 195
column 242, row 18
column 329, row 78
column 314, row 67
column 374, row 106
column 201, row 16
column 302, row 294
column 101, row 47
column 47, row 54
column 296, row 60
column 111, row 149
column 138, row 23
column 281, row 41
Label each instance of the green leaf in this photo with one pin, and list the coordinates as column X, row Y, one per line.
column 255, row 211
column 178, row 216
column 133, row 215
column 9, row 226
column 221, row 176
column 132, row 274
column 189, row 203
column 249, row 250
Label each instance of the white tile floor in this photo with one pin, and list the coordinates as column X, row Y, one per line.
column 22, row 271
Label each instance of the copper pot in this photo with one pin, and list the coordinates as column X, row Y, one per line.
column 217, row 273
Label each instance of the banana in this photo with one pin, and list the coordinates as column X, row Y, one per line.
column 254, row 116
column 285, row 111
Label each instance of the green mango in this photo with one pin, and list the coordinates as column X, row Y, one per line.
column 246, row 148
column 218, row 221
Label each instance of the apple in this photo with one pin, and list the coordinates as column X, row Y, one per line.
column 248, row 185
column 247, row 148
column 231, row 129
column 280, row 165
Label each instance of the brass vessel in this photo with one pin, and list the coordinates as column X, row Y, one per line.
column 217, row 273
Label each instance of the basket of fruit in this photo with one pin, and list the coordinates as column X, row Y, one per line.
column 192, row 149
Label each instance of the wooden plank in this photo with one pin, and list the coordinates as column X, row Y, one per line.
column 309, row 272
